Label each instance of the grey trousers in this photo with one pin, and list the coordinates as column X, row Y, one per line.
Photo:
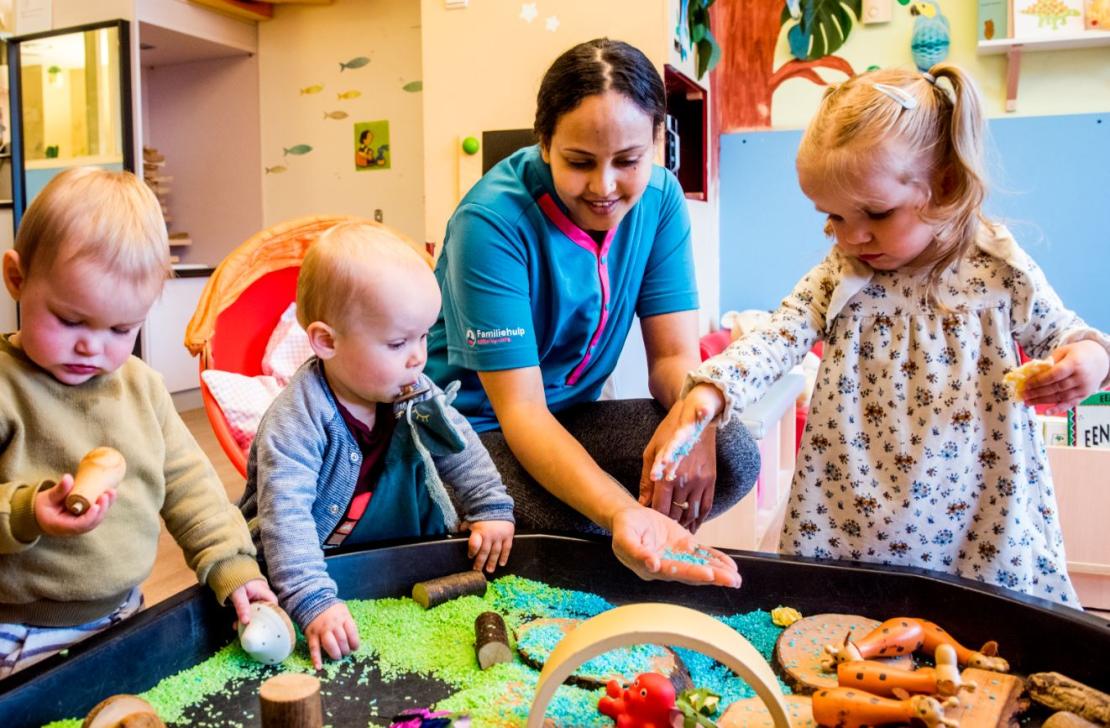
column 615, row 433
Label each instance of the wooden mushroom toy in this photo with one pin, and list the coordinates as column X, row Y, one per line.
column 123, row 711
column 269, row 637
column 101, row 468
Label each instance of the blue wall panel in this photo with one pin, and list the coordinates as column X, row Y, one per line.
column 1050, row 182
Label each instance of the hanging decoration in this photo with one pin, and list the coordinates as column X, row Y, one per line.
column 930, row 40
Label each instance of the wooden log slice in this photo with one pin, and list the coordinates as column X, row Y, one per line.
column 752, row 713
column 996, row 701
column 1064, row 719
column 291, row 700
column 536, row 639
column 434, row 592
column 801, row 647
column 123, row 711
column 1060, row 692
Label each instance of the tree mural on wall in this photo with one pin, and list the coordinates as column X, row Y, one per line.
column 748, row 33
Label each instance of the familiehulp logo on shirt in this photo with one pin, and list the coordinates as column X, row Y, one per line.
column 486, row 337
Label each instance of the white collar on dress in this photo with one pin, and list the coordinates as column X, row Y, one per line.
column 994, row 239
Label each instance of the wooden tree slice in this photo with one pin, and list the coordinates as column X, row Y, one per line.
column 660, row 624
column 123, row 711
column 996, row 700
column 1064, row 719
column 291, row 700
column 752, row 713
column 801, row 648
column 536, row 640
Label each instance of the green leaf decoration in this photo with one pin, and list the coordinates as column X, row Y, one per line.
column 823, row 28
column 708, row 50
column 698, row 706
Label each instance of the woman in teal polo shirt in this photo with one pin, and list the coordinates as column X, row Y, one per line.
column 545, row 263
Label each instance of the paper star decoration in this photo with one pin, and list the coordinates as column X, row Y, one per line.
column 552, row 23
column 528, row 12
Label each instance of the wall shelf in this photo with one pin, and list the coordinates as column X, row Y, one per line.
column 1013, row 48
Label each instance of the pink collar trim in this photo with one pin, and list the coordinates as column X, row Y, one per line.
column 577, row 235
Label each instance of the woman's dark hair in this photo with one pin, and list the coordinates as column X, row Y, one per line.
column 595, row 67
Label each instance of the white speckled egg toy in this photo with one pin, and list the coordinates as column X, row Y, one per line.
column 270, row 637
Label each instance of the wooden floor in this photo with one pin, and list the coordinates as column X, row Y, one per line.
column 170, row 574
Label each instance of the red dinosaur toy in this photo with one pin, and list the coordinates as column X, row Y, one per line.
column 647, row 703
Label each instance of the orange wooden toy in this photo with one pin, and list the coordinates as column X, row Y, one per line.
column 904, row 635
column 881, row 678
column 851, row 708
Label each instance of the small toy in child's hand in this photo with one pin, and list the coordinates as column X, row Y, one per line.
column 123, row 710
column 648, row 701
column 101, row 468
column 1017, row 379
column 269, row 637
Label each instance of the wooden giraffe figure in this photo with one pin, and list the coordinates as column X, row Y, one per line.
column 880, row 678
column 850, row 708
column 905, row 635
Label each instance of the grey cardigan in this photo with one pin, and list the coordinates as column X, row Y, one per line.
column 301, row 475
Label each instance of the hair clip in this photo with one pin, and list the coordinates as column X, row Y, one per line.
column 897, row 93
column 929, row 77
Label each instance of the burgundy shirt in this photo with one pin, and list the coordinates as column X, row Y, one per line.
column 372, row 443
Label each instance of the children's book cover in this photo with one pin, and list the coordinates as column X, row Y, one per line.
column 1047, row 18
column 372, row 145
column 1089, row 422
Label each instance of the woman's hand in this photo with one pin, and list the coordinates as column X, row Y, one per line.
column 1079, row 370
column 334, row 630
column 689, row 497
column 54, row 518
column 643, row 539
column 490, row 543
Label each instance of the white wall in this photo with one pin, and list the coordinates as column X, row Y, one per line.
column 204, row 118
column 303, row 46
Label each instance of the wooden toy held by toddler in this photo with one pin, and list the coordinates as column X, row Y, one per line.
column 102, row 468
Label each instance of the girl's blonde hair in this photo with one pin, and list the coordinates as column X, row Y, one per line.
column 88, row 213
column 335, row 272
column 915, row 126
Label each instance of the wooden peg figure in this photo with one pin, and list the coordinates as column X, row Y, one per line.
column 101, row 468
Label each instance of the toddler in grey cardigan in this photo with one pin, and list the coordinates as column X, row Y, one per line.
column 360, row 446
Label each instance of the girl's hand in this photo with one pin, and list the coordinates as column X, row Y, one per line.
column 255, row 590
column 677, row 435
column 490, row 543
column 642, row 537
column 1079, row 370
column 689, row 497
column 335, row 631
column 55, row 519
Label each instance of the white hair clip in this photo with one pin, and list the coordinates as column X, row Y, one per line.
column 897, row 93
column 930, row 77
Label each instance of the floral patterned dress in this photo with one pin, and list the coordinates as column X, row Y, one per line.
column 913, row 452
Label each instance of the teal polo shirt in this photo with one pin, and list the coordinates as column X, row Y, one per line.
column 523, row 286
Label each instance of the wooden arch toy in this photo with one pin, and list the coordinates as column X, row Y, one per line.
column 662, row 624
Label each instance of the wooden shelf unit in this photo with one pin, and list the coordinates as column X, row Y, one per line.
column 1014, row 47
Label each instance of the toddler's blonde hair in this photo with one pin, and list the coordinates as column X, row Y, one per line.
column 88, row 213
column 858, row 125
column 333, row 280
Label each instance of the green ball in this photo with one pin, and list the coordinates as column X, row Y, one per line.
column 470, row 145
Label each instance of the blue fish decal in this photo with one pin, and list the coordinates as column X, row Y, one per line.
column 298, row 150
column 355, row 63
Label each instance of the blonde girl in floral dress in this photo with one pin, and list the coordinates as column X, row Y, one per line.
column 914, row 453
